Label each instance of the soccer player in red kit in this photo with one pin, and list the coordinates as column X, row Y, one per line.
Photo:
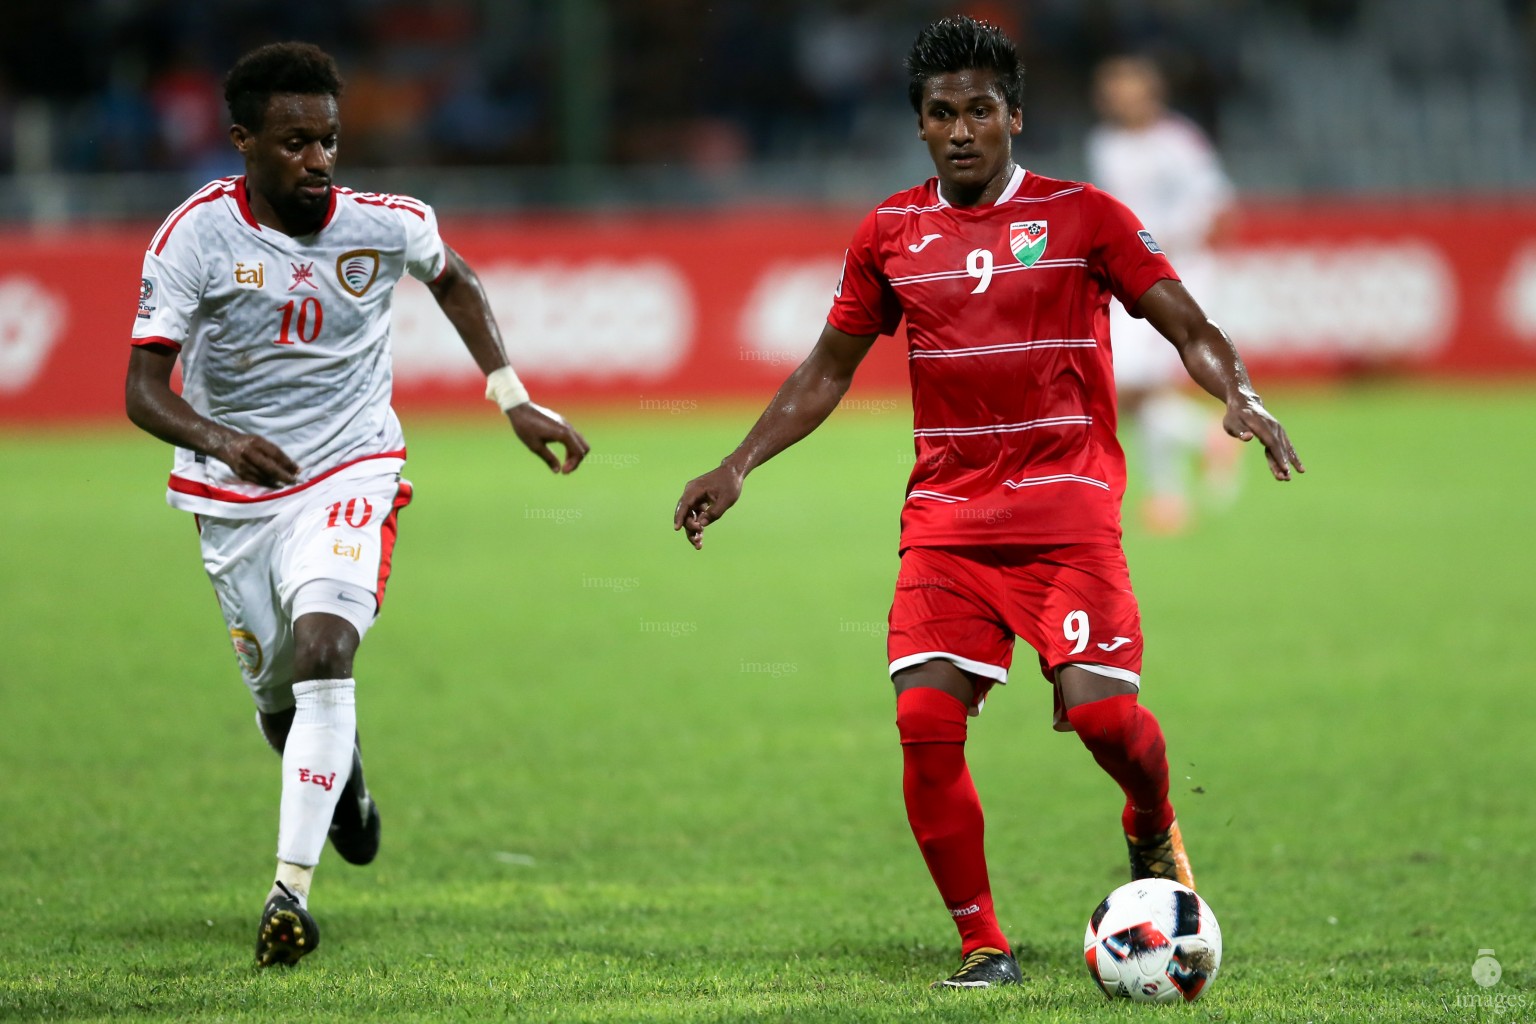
column 1011, row 524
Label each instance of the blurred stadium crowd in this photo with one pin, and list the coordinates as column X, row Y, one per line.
column 1300, row 95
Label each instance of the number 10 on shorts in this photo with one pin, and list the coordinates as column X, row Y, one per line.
column 356, row 512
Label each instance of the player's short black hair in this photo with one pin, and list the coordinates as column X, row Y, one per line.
column 961, row 43
column 301, row 68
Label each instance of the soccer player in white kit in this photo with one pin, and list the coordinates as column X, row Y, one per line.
column 1161, row 165
column 273, row 288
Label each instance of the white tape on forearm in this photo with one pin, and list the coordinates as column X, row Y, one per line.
column 503, row 388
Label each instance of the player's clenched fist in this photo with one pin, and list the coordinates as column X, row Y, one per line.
column 705, row 499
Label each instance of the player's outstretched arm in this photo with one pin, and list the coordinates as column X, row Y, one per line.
column 1213, row 363
column 805, row 399
column 154, row 407
column 458, row 291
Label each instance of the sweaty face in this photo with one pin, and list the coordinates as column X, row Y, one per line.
column 969, row 130
column 289, row 162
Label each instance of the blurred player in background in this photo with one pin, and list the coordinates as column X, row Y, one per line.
column 273, row 289
column 1011, row 524
column 1162, row 166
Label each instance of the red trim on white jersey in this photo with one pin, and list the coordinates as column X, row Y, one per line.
column 199, row 489
column 207, row 194
column 330, row 211
column 387, row 534
column 155, row 339
column 386, row 199
column 243, row 201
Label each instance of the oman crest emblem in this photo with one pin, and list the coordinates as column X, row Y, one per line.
column 357, row 269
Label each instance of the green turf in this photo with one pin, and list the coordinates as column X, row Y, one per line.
column 623, row 780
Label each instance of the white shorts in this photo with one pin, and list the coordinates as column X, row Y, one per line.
column 342, row 532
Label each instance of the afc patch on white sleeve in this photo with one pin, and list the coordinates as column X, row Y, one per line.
column 1148, row 241
column 147, row 291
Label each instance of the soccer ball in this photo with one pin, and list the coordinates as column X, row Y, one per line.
column 1153, row 941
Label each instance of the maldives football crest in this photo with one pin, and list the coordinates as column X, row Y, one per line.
column 357, row 269
column 1027, row 240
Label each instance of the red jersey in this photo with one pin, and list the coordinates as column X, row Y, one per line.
column 1013, row 397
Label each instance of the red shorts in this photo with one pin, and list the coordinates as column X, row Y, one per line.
column 1072, row 603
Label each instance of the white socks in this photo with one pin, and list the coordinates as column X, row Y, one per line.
column 316, row 762
column 296, row 878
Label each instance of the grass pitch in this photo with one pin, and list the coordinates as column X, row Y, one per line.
column 626, row 781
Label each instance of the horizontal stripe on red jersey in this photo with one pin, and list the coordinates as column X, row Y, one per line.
column 1059, row 478
column 953, row 275
column 989, row 350
column 1004, row 428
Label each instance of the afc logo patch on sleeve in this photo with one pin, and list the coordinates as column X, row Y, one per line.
column 146, row 297
column 1148, row 241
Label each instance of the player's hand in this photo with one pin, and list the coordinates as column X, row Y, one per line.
column 1247, row 418
column 538, row 428
column 257, row 460
column 705, row 499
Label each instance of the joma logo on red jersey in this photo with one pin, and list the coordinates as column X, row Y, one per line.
column 305, row 775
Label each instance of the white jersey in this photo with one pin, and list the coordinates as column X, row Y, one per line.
column 283, row 337
column 1169, row 175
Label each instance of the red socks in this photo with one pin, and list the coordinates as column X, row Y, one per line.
column 1127, row 742
column 945, row 812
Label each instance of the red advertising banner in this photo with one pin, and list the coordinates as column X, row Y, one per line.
column 694, row 306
